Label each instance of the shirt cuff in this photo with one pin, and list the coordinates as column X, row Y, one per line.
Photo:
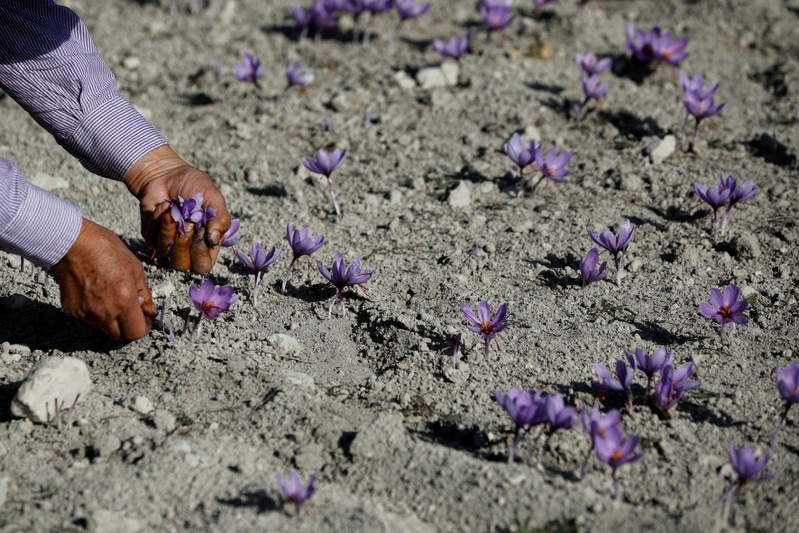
column 113, row 137
column 44, row 229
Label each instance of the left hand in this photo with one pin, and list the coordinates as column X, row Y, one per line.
column 161, row 175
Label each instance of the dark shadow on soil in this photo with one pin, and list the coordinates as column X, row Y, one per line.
column 273, row 191
column 675, row 214
column 7, row 393
column 562, row 106
column 467, row 173
column 289, row 31
column 555, row 276
column 418, row 44
column 546, row 88
column 199, row 99
column 308, row 293
column 626, row 67
column 632, row 126
column 654, row 332
column 257, row 499
column 770, row 150
column 470, row 439
column 700, row 413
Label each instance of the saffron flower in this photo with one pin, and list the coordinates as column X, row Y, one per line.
column 725, row 308
column 788, row 387
column 589, row 270
column 537, row 4
column 655, row 46
column 342, row 276
column 696, row 85
column 699, row 102
column 257, row 263
column 559, row 415
column 615, row 450
column 496, row 14
column 673, row 385
column 211, row 301
column 748, row 470
column 741, row 194
column 454, row 48
column 591, row 65
column 249, row 70
column 616, row 245
column 230, row 238
column 484, row 323
column 553, row 166
column 716, row 195
column 521, row 154
column 593, row 88
column 297, row 77
column 302, row 19
column 618, row 381
column 523, row 407
column 596, row 425
column 409, row 9
column 294, row 490
column 649, row 364
column 325, row 164
column 190, row 210
column 301, row 243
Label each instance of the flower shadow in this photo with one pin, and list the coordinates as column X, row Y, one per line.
column 470, row 439
column 633, row 126
column 258, row 499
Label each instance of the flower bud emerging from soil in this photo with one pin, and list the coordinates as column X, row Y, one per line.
column 249, row 70
column 294, row 491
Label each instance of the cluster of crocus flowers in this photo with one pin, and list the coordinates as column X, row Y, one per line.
column 655, row 46
column 615, row 244
column 211, row 301
column 294, row 491
column 325, row 164
column 550, row 166
column 726, row 191
column 590, row 69
column 698, row 99
column 726, row 308
column 249, row 70
column 341, row 276
column 496, row 14
column 256, row 264
column 485, row 324
column 788, row 387
column 608, row 440
column 301, row 243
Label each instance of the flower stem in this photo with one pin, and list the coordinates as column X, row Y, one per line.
column 333, row 195
column 255, row 286
column 780, row 424
column 288, row 273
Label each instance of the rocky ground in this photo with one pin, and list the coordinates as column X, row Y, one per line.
column 189, row 435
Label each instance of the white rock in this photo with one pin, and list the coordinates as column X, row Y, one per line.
column 53, row 378
column 658, row 152
column 103, row 521
column 192, row 459
column 163, row 289
column 48, row 183
column 142, row 405
column 460, row 196
column 131, row 62
column 298, row 378
column 285, row 344
column 445, row 75
column 404, row 81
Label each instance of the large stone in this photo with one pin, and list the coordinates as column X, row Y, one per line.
column 445, row 75
column 53, row 378
column 285, row 344
column 659, row 151
column 460, row 196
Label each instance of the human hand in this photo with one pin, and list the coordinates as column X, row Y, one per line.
column 102, row 284
column 162, row 175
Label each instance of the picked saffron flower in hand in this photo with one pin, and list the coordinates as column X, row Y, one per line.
column 257, row 263
column 297, row 77
column 454, row 48
column 342, row 276
column 230, row 238
column 716, row 195
column 484, row 323
column 650, row 364
column 591, row 65
column 294, row 491
column 211, row 301
column 301, row 243
column 249, row 70
column 589, row 270
column 190, row 210
column 725, row 308
column 616, row 245
column 496, row 14
column 325, row 164
column 788, row 387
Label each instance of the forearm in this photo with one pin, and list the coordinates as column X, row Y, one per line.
column 33, row 222
column 50, row 66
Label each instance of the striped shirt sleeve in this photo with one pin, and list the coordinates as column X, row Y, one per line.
column 34, row 223
column 50, row 66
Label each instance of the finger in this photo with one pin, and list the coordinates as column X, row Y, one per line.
column 152, row 222
column 146, row 302
column 167, row 230
column 201, row 259
column 180, row 255
column 218, row 225
column 132, row 323
column 109, row 327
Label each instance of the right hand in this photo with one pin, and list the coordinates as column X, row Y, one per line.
column 101, row 284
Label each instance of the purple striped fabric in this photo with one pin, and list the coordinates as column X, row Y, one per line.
column 50, row 66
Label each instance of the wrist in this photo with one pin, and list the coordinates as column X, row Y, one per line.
column 152, row 165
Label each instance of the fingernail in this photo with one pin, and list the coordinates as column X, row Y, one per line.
column 213, row 237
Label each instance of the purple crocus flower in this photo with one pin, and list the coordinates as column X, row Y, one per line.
column 559, row 415
column 596, row 424
column 211, row 301
column 455, row 47
column 589, row 270
column 673, row 384
column 700, row 105
column 788, row 387
column 593, row 87
column 696, row 85
column 257, row 263
column 618, row 381
column 650, row 364
column 747, row 467
column 409, row 9
column 591, row 65
column 324, row 14
column 249, row 70
column 521, row 154
column 615, row 450
column 484, row 323
column 325, row 164
column 301, row 243
column 297, row 77
column 616, row 244
column 496, row 14
column 655, row 46
column 523, row 407
column 230, row 238
column 716, row 195
column 742, row 193
column 294, row 491
column 725, row 307
column 553, row 166
column 302, row 19
column 342, row 276
column 190, row 210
